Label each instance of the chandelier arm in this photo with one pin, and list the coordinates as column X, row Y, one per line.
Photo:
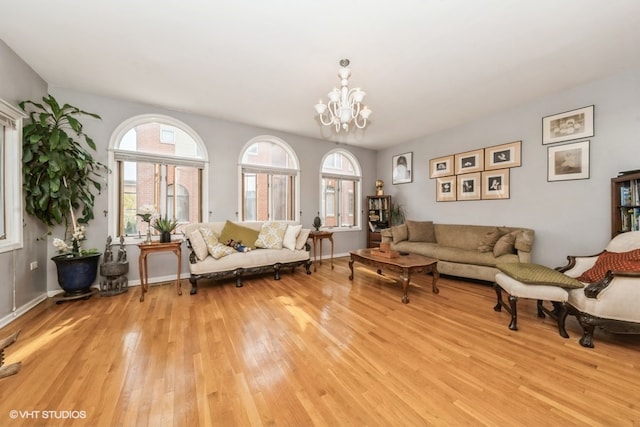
column 360, row 125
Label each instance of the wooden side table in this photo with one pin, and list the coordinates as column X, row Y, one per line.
column 319, row 236
column 150, row 248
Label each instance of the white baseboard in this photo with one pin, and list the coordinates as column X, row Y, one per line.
column 21, row 310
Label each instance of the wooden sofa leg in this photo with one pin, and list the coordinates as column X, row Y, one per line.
column 498, row 289
column 238, row 273
column 513, row 302
column 307, row 266
column 562, row 317
column 194, row 286
column 276, row 271
column 540, row 309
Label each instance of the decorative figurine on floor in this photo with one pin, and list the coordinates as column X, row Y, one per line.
column 12, row 369
column 114, row 272
column 317, row 222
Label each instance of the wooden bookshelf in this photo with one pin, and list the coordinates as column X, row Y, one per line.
column 379, row 218
column 625, row 203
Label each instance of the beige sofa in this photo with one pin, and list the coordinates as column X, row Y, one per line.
column 470, row 251
column 273, row 246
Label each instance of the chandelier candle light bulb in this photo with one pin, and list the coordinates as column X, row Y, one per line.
column 345, row 105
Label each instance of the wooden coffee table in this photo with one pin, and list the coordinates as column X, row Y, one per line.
column 405, row 264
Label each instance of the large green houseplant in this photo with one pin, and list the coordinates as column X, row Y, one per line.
column 60, row 176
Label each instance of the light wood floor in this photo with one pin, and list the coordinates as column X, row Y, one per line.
column 313, row 350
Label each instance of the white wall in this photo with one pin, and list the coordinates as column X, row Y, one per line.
column 569, row 217
column 20, row 286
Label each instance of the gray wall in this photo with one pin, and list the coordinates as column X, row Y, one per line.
column 20, row 287
column 569, row 217
column 223, row 140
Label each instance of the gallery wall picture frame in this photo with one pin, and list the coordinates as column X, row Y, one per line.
column 568, row 126
column 441, row 166
column 568, row 161
column 471, row 161
column 402, row 168
column 495, row 184
column 503, row 156
column 469, row 186
column 446, row 189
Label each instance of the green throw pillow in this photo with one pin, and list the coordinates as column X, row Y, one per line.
column 238, row 233
column 535, row 274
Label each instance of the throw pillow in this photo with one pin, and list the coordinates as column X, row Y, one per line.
column 239, row 233
column 198, row 244
column 421, row 231
column 290, row 236
column 271, row 235
column 489, row 240
column 505, row 244
column 219, row 250
column 302, row 238
column 535, row 274
column 611, row 261
column 399, row 233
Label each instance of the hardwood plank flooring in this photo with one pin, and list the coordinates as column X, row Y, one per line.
column 313, row 350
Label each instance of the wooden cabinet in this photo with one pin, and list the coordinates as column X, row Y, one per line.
column 625, row 203
column 379, row 217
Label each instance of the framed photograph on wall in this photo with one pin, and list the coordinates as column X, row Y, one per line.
column 503, row 156
column 446, row 189
column 442, row 166
column 567, row 126
column 469, row 186
column 495, row 184
column 568, row 162
column 471, row 161
column 401, row 165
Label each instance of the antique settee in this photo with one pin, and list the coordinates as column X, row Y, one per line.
column 470, row 251
column 220, row 250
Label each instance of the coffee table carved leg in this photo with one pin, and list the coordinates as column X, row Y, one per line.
column 351, row 268
column 436, row 276
column 406, row 277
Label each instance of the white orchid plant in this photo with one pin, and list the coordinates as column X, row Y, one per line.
column 147, row 213
column 74, row 247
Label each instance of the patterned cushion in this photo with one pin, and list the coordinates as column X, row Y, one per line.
column 489, row 240
column 211, row 241
column 302, row 238
column 290, row 236
column 535, row 274
column 219, row 250
column 271, row 235
column 505, row 244
column 612, row 261
column 239, row 233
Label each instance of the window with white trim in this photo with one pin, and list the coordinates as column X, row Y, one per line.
column 269, row 180
column 340, row 190
column 11, row 215
column 148, row 171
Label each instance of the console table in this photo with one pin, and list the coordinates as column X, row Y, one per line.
column 155, row 247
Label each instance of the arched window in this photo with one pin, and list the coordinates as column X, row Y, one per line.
column 157, row 161
column 340, row 190
column 269, row 180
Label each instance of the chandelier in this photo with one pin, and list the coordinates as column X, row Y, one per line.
column 345, row 105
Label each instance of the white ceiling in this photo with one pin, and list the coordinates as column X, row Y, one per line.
column 426, row 65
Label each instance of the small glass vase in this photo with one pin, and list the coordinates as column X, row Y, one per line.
column 148, row 241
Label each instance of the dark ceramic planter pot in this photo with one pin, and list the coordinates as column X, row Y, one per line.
column 165, row 237
column 76, row 274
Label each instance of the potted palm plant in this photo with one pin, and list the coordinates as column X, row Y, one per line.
column 60, row 177
column 165, row 227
